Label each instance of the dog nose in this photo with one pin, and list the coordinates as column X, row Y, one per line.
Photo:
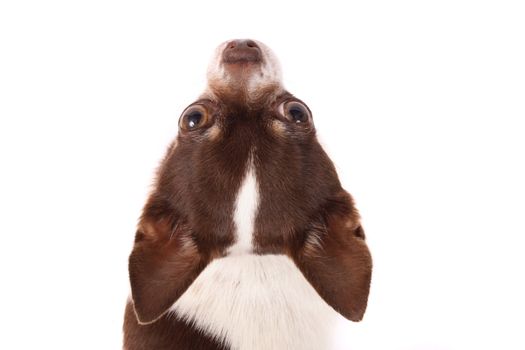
column 242, row 50
column 242, row 44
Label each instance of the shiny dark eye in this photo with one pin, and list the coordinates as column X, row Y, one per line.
column 295, row 112
column 193, row 118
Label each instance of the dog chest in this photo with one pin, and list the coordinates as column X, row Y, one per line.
column 257, row 302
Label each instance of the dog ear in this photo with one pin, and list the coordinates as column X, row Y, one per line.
column 164, row 262
column 335, row 259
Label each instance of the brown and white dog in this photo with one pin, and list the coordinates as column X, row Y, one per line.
column 248, row 241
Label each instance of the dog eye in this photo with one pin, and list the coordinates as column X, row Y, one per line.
column 193, row 118
column 295, row 112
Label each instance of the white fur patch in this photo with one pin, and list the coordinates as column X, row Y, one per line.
column 245, row 213
column 258, row 302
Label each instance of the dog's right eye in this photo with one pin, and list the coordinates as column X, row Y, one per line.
column 194, row 117
column 295, row 112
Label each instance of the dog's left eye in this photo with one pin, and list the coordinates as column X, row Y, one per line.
column 194, row 117
column 295, row 112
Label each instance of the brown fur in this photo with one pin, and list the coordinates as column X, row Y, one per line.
column 168, row 333
column 187, row 221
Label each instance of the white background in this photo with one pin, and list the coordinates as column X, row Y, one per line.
column 420, row 104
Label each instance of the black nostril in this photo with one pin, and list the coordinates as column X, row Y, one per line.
column 251, row 43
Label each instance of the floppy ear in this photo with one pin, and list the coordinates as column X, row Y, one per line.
column 335, row 259
column 163, row 264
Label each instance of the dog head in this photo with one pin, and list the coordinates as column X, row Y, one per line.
column 246, row 175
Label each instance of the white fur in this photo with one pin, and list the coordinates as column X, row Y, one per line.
column 245, row 213
column 258, row 302
column 269, row 73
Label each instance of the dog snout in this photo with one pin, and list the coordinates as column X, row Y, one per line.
column 242, row 50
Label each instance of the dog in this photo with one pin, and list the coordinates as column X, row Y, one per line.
column 247, row 241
